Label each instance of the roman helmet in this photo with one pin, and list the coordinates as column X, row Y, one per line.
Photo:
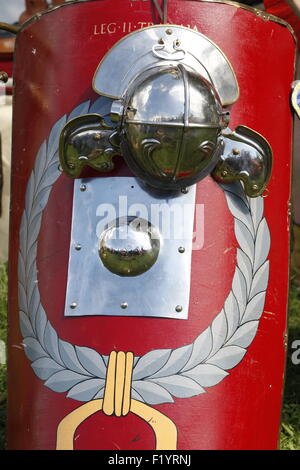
column 170, row 90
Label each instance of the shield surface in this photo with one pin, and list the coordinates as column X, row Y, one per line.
column 104, row 359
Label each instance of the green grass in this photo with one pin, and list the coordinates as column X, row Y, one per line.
column 290, row 429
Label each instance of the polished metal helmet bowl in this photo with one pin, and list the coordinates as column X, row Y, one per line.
column 172, row 123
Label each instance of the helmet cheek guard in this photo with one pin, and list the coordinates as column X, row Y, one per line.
column 170, row 90
column 247, row 157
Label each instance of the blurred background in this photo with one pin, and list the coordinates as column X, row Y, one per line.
column 16, row 12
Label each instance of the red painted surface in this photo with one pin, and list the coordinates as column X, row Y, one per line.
column 283, row 10
column 243, row 411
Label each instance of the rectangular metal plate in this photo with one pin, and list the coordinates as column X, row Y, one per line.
column 161, row 291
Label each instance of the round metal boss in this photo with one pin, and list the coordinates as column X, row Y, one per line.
column 129, row 246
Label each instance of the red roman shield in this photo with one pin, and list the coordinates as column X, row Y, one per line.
column 108, row 377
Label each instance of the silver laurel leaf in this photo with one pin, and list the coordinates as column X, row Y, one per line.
column 25, row 325
column 22, row 298
column 239, row 289
column 39, row 203
column 86, row 391
column 152, row 393
column 136, row 396
column 235, row 190
column 91, row 361
column 179, row 386
column 232, row 314
column 244, row 336
column 64, row 380
column 176, row 362
column 40, row 324
column 34, row 304
column 260, row 280
column 51, row 343
column 245, row 267
column 21, row 269
column 31, row 272
column 29, row 195
column 70, row 359
column 240, row 211
column 40, row 166
column 54, row 137
column 23, row 239
column 33, row 234
column 33, row 349
column 151, row 363
column 262, row 244
column 254, row 308
column 256, row 209
column 45, row 367
column 50, row 177
column 219, row 332
column 206, row 375
column 82, row 108
column 228, row 357
column 99, row 394
column 244, row 238
column 201, row 349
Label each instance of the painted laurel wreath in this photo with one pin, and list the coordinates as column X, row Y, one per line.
column 163, row 373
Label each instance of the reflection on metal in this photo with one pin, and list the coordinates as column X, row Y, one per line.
column 164, row 285
column 155, row 46
column 247, row 157
column 85, row 141
column 129, row 246
column 171, row 127
column 169, row 88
